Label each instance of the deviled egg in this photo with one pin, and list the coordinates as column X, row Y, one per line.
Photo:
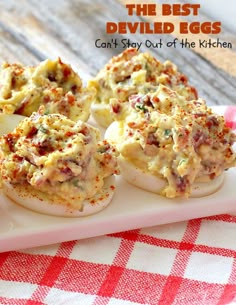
column 170, row 145
column 56, row 166
column 133, row 72
column 52, row 83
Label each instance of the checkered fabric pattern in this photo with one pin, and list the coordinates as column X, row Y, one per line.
column 185, row 263
column 188, row 263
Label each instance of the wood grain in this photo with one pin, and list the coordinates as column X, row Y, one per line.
column 32, row 31
column 220, row 57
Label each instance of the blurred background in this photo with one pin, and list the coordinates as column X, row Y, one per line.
column 221, row 10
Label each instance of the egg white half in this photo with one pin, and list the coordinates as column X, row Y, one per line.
column 8, row 122
column 101, row 114
column 154, row 184
column 37, row 201
column 28, row 197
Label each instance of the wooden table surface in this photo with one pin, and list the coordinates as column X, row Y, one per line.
column 33, row 30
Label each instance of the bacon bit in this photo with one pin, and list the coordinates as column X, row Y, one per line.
column 13, row 82
column 169, row 70
column 32, row 132
column 181, row 183
column 156, row 62
column 116, row 108
column 212, row 121
column 67, row 171
column 168, row 80
column 66, row 71
column 92, row 201
column 44, row 147
column 52, row 76
column 69, row 134
column 21, row 109
column 14, row 173
column 147, row 101
column 122, row 78
column 17, row 158
column 198, row 138
column 194, row 92
column 10, row 140
column 60, row 61
column 137, row 67
column 46, row 99
column 74, row 88
column 183, row 79
column 212, row 176
column 228, row 153
column 43, row 150
column 209, row 124
column 152, row 140
column 112, row 187
column 84, row 131
column 71, row 99
column 198, row 115
column 134, row 99
column 151, row 78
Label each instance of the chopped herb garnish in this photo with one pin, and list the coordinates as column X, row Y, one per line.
column 75, row 183
column 147, row 68
column 182, row 161
column 102, row 149
column 167, row 132
column 141, row 107
column 43, row 129
column 46, row 112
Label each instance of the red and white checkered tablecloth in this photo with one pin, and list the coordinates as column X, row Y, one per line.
column 185, row 263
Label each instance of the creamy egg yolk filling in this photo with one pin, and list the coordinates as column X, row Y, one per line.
column 170, row 137
column 62, row 159
column 130, row 73
column 53, row 84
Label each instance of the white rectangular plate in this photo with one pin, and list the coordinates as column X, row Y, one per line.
column 130, row 208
